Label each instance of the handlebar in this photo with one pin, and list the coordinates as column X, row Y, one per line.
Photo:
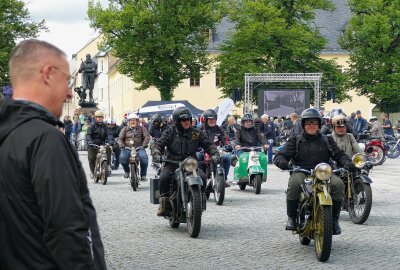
column 252, row 148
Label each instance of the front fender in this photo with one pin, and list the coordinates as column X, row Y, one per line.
column 324, row 200
column 192, row 180
column 256, row 170
column 365, row 179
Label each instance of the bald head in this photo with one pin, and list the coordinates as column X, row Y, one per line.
column 30, row 56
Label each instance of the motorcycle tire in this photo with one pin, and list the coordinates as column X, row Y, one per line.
column 323, row 233
column 96, row 177
column 173, row 222
column 194, row 211
column 392, row 151
column 242, row 186
column 257, row 184
column 104, row 172
column 219, row 189
column 381, row 155
column 133, row 178
column 360, row 204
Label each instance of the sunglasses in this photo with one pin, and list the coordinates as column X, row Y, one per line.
column 311, row 122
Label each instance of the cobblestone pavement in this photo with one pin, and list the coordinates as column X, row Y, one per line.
column 246, row 232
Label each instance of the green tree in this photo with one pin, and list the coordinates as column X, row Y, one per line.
column 160, row 42
column 277, row 36
column 15, row 23
column 373, row 38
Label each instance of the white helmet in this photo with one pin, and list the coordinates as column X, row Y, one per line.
column 132, row 116
column 112, row 121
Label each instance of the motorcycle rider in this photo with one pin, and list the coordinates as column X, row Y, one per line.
column 97, row 133
column 343, row 139
column 158, row 125
column 328, row 127
column 376, row 129
column 217, row 136
column 248, row 135
column 181, row 141
column 307, row 150
column 113, row 133
column 134, row 135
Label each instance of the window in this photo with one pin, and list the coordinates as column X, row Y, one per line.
column 195, row 78
column 218, row 78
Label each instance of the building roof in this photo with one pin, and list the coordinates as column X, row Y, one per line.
column 330, row 25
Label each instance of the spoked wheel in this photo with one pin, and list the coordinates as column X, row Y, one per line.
column 257, row 184
column 134, row 178
column 96, row 176
column 104, row 172
column 242, row 186
column 219, row 189
column 173, row 221
column 360, row 204
column 377, row 156
column 323, row 232
column 194, row 210
column 301, row 223
column 392, row 150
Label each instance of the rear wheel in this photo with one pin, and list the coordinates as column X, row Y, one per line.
column 104, row 172
column 257, row 184
column 173, row 222
column 219, row 189
column 377, row 155
column 194, row 211
column 323, row 232
column 133, row 178
column 360, row 204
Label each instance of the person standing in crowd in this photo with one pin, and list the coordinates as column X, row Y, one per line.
column 231, row 128
column 360, row 124
column 47, row 219
column 68, row 127
column 113, row 133
column 287, row 125
column 321, row 113
column 297, row 129
column 387, row 125
column 376, row 128
column 267, row 129
column 350, row 119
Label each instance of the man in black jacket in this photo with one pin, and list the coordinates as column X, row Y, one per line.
column 306, row 151
column 113, row 133
column 182, row 141
column 47, row 219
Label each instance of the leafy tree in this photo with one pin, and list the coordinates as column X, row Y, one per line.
column 160, row 42
column 15, row 23
column 373, row 37
column 277, row 36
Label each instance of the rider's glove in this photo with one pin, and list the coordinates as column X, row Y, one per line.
column 215, row 159
column 350, row 167
column 156, row 158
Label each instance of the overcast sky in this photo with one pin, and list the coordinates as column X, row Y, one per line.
column 67, row 22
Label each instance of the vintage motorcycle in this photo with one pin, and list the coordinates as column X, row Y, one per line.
column 373, row 148
column 358, row 199
column 134, row 166
column 101, row 171
column 392, row 146
column 185, row 202
column 314, row 213
column 216, row 180
column 250, row 168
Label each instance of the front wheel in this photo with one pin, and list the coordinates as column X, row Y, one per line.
column 360, row 204
column 393, row 151
column 194, row 211
column 257, row 184
column 133, row 178
column 104, row 172
column 323, row 232
column 219, row 189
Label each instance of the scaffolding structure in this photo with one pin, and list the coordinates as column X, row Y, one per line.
column 250, row 78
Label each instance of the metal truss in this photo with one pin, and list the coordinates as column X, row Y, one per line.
column 251, row 78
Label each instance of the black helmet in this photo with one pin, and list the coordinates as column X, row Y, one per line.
column 247, row 116
column 310, row 113
column 156, row 120
column 181, row 113
column 210, row 113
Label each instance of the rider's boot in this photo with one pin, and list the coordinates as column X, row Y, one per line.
column 291, row 208
column 336, row 207
column 161, row 208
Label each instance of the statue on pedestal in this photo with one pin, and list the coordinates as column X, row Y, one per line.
column 88, row 69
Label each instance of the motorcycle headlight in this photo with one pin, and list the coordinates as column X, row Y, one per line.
column 323, row 171
column 190, row 165
column 255, row 158
column 358, row 160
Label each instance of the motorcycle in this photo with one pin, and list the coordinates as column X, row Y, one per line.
column 101, row 171
column 134, row 167
column 392, row 146
column 216, row 180
column 314, row 213
column 373, row 148
column 358, row 192
column 185, row 202
column 251, row 169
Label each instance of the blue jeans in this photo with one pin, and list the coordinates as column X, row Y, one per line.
column 225, row 158
column 144, row 160
column 269, row 150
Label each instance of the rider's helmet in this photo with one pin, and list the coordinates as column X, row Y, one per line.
column 339, row 121
column 373, row 119
column 310, row 113
column 132, row 116
column 336, row 112
column 156, row 120
column 247, row 116
column 99, row 113
column 112, row 121
column 209, row 114
column 181, row 113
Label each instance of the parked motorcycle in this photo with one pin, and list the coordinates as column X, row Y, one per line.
column 216, row 180
column 392, row 146
column 251, row 168
column 314, row 214
column 373, row 148
column 358, row 200
column 101, row 171
column 134, row 165
column 185, row 202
